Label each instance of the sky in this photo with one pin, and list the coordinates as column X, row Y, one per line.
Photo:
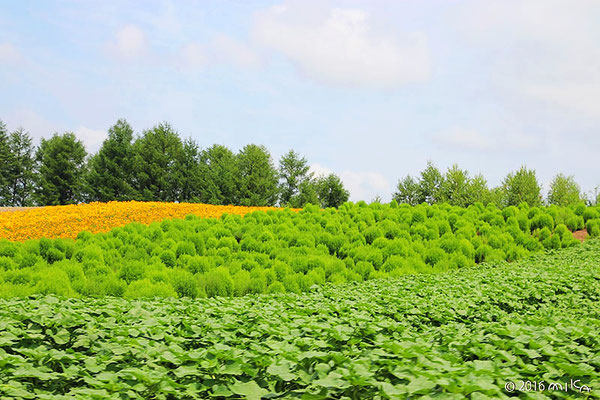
column 370, row 90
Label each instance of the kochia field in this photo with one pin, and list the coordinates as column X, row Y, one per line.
column 282, row 250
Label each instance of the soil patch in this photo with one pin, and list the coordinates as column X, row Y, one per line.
column 580, row 235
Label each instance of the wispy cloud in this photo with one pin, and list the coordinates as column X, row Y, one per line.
column 130, row 41
column 340, row 46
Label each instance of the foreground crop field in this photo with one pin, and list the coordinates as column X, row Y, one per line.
column 67, row 221
column 282, row 250
column 462, row 333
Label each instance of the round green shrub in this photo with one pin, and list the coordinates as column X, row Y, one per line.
column 168, row 258
column 185, row 248
column 131, row 271
column 218, row 282
column 593, row 227
column 184, row 283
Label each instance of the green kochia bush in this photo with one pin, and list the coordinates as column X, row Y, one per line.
column 275, row 251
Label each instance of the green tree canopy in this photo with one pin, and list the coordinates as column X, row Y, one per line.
column 4, row 164
column 191, row 174
column 564, row 191
column 407, row 191
column 60, row 166
column 522, row 186
column 257, row 177
column 158, row 153
column 110, row 170
column 331, row 191
column 20, row 169
column 478, row 191
column 218, row 171
column 296, row 186
column 454, row 187
column 430, row 186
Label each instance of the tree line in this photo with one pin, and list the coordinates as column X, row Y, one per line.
column 155, row 166
column 159, row 166
column 457, row 187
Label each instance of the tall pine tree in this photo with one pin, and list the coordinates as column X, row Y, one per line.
column 110, row 170
column 20, row 169
column 60, row 167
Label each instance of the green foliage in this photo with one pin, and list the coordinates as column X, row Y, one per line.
column 17, row 168
column 110, row 170
column 146, row 289
column 295, row 181
column 564, row 191
column 234, row 256
column 430, row 185
column 257, row 179
column 407, row 191
column 5, row 161
column 460, row 334
column 593, row 227
column 521, row 187
column 60, row 170
column 218, row 171
column 158, row 154
column 331, row 191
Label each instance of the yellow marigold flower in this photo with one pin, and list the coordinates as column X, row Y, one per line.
column 68, row 221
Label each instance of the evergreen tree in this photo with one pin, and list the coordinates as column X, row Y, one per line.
column 191, row 174
column 110, row 170
column 218, row 171
column 60, row 166
column 307, row 194
column 294, row 174
column 158, row 153
column 331, row 191
column 4, row 165
column 257, row 177
column 20, row 169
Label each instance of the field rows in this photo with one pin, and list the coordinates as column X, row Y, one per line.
column 463, row 333
column 277, row 250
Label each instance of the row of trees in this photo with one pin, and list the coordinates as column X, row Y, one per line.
column 159, row 166
column 457, row 187
column 155, row 166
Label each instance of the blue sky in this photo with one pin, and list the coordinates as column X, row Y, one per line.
column 370, row 90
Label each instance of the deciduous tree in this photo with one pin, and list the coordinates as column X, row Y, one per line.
column 522, row 186
column 564, row 191
column 331, row 191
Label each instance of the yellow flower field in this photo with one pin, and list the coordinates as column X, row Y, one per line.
column 68, row 221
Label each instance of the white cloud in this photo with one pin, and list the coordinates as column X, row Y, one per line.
column 342, row 46
column 32, row 122
column 91, row 138
column 547, row 49
column 9, row 54
column 361, row 185
column 130, row 41
column 470, row 140
column 581, row 97
column 194, row 55
column 231, row 50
